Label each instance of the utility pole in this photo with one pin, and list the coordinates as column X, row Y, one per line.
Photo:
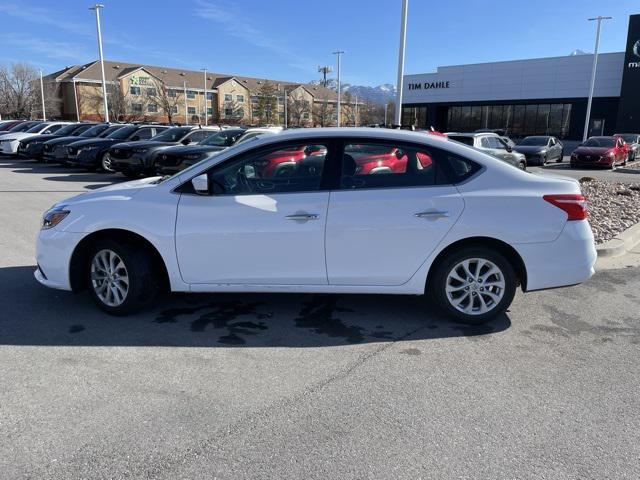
column 386, row 106
column 339, row 54
column 403, row 41
column 97, row 8
column 585, row 134
column 44, row 114
column 355, row 118
column 286, row 120
column 186, row 110
column 324, row 71
column 206, row 115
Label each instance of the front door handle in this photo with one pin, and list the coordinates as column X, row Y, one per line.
column 434, row 214
column 303, row 216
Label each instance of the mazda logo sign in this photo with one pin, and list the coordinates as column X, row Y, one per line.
column 636, row 48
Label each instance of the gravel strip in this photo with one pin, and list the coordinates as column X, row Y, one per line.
column 613, row 207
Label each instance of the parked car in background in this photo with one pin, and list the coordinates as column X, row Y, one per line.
column 600, row 152
column 7, row 125
column 133, row 159
column 92, row 154
column 467, row 229
column 173, row 159
column 55, row 150
column 9, row 141
column 32, row 147
column 492, row 144
column 258, row 131
column 633, row 142
column 540, row 149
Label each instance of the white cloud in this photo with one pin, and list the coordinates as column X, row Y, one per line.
column 46, row 48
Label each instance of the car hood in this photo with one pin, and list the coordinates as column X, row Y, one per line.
column 40, row 138
column 186, row 149
column 591, row 150
column 90, row 142
column 118, row 191
column 17, row 135
column 57, row 140
column 142, row 144
column 529, row 148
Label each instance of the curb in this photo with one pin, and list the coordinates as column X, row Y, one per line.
column 621, row 243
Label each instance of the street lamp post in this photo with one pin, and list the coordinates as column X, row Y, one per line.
column 97, row 8
column 206, row 115
column 599, row 19
column 186, row 110
column 339, row 54
column 44, row 114
column 403, row 41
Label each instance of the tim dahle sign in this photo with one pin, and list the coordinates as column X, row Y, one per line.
column 636, row 52
column 429, row 85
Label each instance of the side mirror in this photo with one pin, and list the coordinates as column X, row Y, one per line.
column 201, row 184
column 135, row 138
column 186, row 141
column 508, row 148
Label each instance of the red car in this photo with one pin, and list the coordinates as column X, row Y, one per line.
column 384, row 160
column 282, row 162
column 600, row 152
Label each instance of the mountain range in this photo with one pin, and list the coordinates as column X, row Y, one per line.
column 380, row 94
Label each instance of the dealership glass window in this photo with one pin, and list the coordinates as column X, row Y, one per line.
column 228, row 97
column 134, row 90
column 152, row 108
column 191, row 110
column 240, row 98
column 530, row 114
column 542, row 122
column 191, row 94
column 566, row 116
column 136, row 107
column 476, row 118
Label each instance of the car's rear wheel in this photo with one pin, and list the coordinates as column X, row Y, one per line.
column 561, row 157
column 473, row 285
column 121, row 278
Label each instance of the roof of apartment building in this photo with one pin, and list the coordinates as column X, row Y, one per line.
column 177, row 77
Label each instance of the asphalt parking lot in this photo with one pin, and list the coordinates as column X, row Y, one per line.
column 306, row 386
column 623, row 174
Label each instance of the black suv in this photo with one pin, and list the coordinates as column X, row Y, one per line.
column 135, row 158
column 32, row 147
column 173, row 159
column 55, row 150
column 92, row 154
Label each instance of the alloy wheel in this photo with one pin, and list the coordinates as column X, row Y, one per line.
column 106, row 163
column 109, row 278
column 475, row 286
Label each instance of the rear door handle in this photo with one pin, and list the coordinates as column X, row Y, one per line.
column 303, row 216
column 434, row 214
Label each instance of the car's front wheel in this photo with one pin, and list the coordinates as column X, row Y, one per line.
column 522, row 165
column 120, row 277
column 473, row 285
column 561, row 157
column 105, row 163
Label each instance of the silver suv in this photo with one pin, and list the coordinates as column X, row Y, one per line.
column 492, row 144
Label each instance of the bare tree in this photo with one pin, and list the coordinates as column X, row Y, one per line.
column 298, row 110
column 323, row 112
column 19, row 90
column 348, row 109
column 166, row 98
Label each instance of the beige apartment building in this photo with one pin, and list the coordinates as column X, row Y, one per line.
column 169, row 95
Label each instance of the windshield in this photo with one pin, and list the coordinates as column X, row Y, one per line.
column 109, row 131
column 220, row 139
column 122, row 133
column 462, row 139
column 94, row 131
column 534, row 141
column 629, row 138
column 66, row 130
column 37, row 127
column 23, row 126
column 172, row 134
column 600, row 142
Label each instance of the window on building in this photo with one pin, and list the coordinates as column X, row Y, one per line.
column 209, row 96
column 151, row 92
column 228, row 112
column 240, row 98
column 171, row 93
column 136, row 107
column 191, row 110
column 240, row 112
column 254, row 100
column 191, row 94
column 228, row 97
column 152, row 108
column 174, row 109
column 209, row 111
column 134, row 90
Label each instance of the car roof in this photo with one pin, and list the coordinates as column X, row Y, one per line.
column 474, row 134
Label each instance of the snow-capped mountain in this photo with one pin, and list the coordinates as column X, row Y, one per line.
column 380, row 94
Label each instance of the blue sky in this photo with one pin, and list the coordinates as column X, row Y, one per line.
column 287, row 39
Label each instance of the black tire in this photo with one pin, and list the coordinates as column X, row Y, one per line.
column 522, row 165
column 561, row 157
column 142, row 275
column 104, row 165
column 437, row 290
column 543, row 162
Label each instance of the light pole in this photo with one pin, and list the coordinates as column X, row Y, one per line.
column 593, row 76
column 403, row 41
column 339, row 54
column 286, row 120
column 386, row 106
column 44, row 114
column 97, row 8
column 355, row 118
column 186, row 110
column 206, row 115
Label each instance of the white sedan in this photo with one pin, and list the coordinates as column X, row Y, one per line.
column 354, row 211
column 9, row 141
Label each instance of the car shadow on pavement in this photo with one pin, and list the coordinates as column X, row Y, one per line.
column 35, row 315
column 62, row 173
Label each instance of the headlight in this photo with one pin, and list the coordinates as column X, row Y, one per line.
column 542, row 152
column 54, row 216
column 9, row 140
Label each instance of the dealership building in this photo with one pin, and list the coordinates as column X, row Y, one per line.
column 542, row 96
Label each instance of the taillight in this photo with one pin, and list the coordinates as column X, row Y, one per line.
column 574, row 204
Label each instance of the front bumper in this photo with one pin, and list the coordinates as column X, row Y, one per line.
column 54, row 249
column 31, row 150
column 591, row 161
column 135, row 162
column 84, row 157
column 568, row 260
column 9, row 148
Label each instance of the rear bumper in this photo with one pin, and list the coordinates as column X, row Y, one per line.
column 568, row 260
